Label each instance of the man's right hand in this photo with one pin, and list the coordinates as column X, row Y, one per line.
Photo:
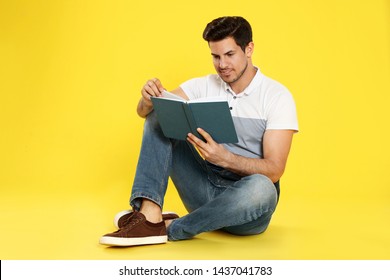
column 152, row 87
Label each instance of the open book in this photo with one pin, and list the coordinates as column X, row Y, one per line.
column 178, row 117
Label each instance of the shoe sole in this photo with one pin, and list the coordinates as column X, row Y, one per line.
column 133, row 241
column 125, row 212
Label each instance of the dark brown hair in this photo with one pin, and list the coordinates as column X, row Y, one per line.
column 236, row 27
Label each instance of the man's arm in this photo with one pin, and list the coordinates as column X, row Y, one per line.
column 276, row 147
column 153, row 87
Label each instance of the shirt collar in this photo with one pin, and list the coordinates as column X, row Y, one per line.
column 249, row 89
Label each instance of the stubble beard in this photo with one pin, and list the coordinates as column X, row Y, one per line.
column 237, row 77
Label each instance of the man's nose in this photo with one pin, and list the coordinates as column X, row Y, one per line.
column 222, row 63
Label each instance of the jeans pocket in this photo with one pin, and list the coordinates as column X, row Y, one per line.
column 221, row 177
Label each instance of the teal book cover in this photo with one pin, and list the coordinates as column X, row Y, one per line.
column 178, row 117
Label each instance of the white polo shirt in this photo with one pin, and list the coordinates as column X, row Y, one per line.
column 264, row 104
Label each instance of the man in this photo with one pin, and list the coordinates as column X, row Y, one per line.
column 229, row 187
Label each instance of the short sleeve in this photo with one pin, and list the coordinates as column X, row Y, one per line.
column 282, row 112
column 193, row 88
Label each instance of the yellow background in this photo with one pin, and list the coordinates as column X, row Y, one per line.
column 71, row 73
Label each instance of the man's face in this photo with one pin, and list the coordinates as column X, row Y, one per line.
column 229, row 60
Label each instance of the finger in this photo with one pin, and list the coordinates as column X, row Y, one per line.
column 152, row 88
column 191, row 141
column 205, row 135
column 158, row 84
column 195, row 140
column 147, row 92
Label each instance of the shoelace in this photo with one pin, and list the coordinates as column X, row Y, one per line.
column 132, row 221
column 129, row 218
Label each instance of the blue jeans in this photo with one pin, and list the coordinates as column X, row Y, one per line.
column 215, row 198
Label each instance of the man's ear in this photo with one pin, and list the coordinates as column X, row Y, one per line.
column 249, row 49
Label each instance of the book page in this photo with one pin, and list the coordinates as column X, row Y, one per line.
column 209, row 99
column 172, row 96
column 169, row 95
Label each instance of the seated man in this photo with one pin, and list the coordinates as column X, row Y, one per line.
column 230, row 187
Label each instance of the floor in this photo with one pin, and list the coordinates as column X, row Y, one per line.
column 39, row 223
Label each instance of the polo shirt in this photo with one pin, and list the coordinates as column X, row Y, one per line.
column 264, row 104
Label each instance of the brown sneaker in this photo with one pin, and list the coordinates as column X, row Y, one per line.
column 120, row 219
column 137, row 231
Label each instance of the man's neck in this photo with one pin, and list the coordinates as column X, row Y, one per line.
column 241, row 84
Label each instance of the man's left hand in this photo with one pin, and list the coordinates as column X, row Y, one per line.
column 210, row 150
